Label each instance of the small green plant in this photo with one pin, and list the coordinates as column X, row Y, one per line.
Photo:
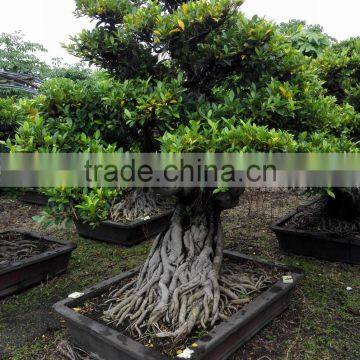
column 91, row 206
column 96, row 205
column 13, row 113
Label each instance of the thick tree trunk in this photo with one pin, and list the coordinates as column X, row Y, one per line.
column 179, row 281
column 180, row 286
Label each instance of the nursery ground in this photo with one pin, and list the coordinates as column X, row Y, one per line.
column 323, row 321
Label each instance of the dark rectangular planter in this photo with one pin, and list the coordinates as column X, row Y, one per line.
column 108, row 344
column 125, row 234
column 34, row 197
column 21, row 275
column 317, row 244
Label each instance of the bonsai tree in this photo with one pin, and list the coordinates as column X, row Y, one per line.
column 99, row 114
column 12, row 113
column 246, row 89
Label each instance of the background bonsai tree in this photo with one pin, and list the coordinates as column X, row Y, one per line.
column 339, row 67
column 12, row 114
column 21, row 74
column 14, row 111
column 246, row 89
column 99, row 114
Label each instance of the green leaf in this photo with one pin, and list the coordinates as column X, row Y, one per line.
column 330, row 193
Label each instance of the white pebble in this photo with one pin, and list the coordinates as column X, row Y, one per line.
column 75, row 295
column 186, row 354
column 288, row 279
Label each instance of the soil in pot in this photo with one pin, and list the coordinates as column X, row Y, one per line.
column 15, row 246
column 248, row 280
column 315, row 217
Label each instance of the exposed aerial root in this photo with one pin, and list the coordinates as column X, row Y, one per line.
column 138, row 203
column 181, row 286
column 14, row 248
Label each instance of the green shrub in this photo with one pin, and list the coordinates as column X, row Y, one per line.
column 88, row 205
column 96, row 115
column 13, row 113
column 121, row 111
column 308, row 39
column 339, row 67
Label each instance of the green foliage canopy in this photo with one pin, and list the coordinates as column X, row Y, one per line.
column 20, row 56
column 233, row 66
column 309, row 39
column 339, row 67
column 189, row 76
column 128, row 114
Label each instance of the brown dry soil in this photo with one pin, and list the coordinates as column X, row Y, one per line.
column 323, row 321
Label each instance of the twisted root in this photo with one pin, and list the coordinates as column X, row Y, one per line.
column 180, row 287
column 14, row 247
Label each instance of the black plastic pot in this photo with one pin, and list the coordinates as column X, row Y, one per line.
column 108, row 344
column 21, row 275
column 323, row 245
column 34, row 197
column 125, row 234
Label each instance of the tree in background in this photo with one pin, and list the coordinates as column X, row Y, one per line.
column 59, row 69
column 20, row 56
column 309, row 39
column 247, row 89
